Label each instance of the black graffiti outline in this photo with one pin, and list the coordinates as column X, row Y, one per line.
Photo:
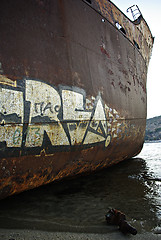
column 51, row 149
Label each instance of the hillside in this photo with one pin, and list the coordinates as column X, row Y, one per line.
column 153, row 129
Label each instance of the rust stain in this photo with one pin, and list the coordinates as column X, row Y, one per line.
column 51, row 127
column 136, row 32
column 103, row 50
column 113, row 84
column 29, row 172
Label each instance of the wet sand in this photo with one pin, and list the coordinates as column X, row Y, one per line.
column 42, row 235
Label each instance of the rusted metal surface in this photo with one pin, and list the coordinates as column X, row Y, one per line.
column 70, row 87
column 137, row 31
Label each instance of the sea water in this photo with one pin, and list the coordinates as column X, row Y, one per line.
column 80, row 204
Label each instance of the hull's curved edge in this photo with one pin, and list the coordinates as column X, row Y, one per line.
column 71, row 101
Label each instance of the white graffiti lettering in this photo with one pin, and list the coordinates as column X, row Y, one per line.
column 44, row 100
column 62, row 116
column 11, row 111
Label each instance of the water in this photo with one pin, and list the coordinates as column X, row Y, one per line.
column 80, row 204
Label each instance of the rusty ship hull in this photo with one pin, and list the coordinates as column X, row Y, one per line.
column 72, row 89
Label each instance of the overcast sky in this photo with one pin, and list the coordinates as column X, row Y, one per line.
column 151, row 11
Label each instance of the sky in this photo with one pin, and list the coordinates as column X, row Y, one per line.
column 151, row 11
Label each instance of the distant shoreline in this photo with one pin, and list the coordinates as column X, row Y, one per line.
column 153, row 141
column 153, row 129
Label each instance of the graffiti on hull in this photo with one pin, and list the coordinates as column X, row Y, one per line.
column 37, row 115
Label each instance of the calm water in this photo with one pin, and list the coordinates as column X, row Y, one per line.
column 133, row 186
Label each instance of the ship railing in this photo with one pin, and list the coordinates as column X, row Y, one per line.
column 135, row 11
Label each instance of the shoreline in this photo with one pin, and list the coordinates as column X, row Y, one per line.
column 19, row 234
